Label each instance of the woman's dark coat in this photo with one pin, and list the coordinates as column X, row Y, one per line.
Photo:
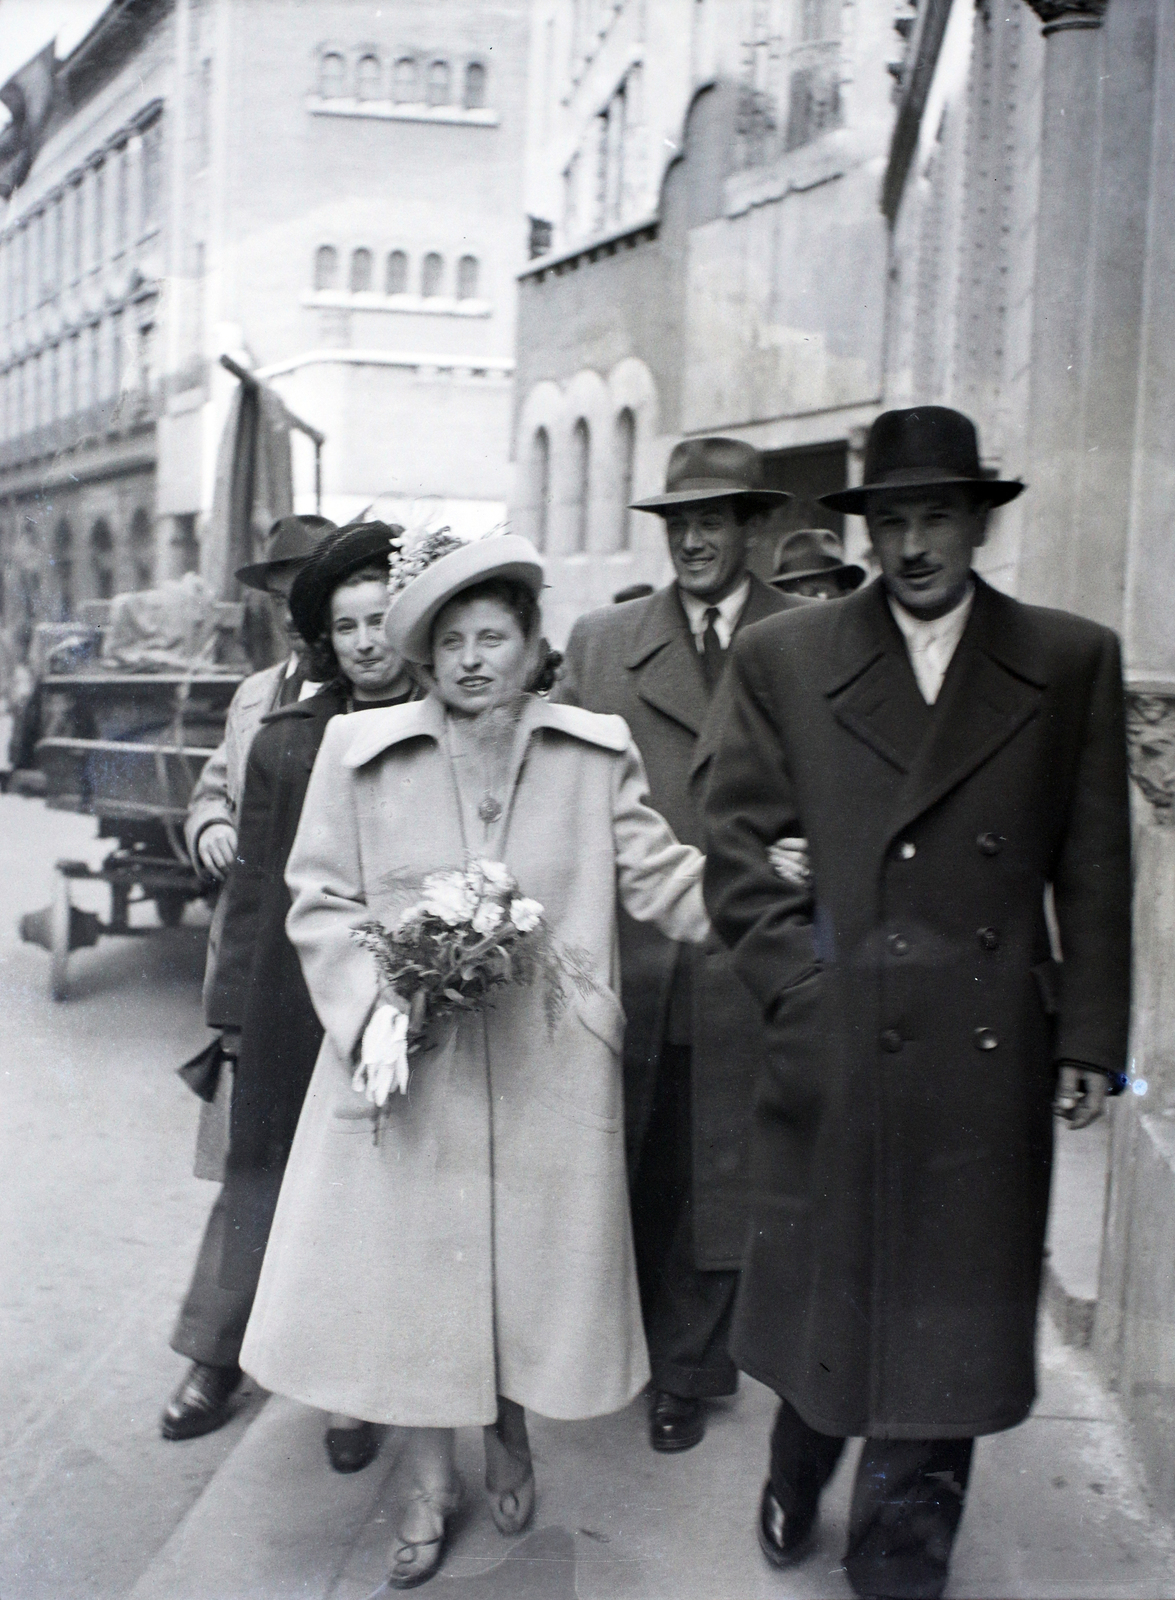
column 903, row 1135
column 258, row 985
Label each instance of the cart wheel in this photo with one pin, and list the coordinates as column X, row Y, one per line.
column 59, row 920
column 170, row 903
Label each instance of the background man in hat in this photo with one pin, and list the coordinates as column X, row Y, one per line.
column 694, row 1039
column 948, row 752
column 810, row 562
column 212, row 1320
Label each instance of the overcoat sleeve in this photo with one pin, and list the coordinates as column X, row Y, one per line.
column 224, row 1005
column 210, row 801
column 659, row 880
column 1091, row 883
column 325, row 879
column 748, row 803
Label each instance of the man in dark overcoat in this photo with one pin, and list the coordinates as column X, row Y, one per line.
column 952, row 756
column 694, row 1038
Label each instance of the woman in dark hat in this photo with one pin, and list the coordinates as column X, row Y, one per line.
column 258, row 996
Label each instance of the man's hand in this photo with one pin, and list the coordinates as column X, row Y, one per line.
column 217, row 848
column 789, row 860
column 1081, row 1095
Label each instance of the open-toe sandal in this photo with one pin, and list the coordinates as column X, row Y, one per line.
column 414, row 1561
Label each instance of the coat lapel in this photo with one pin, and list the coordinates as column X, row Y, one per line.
column 665, row 661
column 872, row 691
column 994, row 685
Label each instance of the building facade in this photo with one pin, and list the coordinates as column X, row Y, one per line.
column 717, row 262
column 331, row 194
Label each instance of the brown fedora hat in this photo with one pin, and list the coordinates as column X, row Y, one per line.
column 922, row 447
column 814, row 553
column 712, row 469
column 291, row 541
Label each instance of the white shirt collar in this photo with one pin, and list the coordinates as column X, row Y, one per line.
column 729, row 611
column 931, row 645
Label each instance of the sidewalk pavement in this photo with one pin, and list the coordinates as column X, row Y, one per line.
column 1056, row 1511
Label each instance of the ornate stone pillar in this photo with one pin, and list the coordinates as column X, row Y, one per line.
column 1053, row 570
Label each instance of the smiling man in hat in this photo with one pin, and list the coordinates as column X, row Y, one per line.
column 694, row 1040
column 951, row 755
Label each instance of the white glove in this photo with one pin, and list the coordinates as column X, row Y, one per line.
column 383, row 1056
column 790, row 861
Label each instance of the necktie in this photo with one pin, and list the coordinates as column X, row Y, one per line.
column 713, row 655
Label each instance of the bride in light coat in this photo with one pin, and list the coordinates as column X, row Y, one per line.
column 478, row 1260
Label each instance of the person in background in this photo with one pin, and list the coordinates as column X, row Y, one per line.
column 810, row 562
column 948, row 754
column 257, row 997
column 694, row 1038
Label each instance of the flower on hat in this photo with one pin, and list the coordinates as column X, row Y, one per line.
column 410, row 560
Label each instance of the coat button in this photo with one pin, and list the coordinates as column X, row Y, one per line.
column 891, row 1041
column 985, row 1039
column 899, row 945
column 907, row 850
column 990, row 843
column 989, row 938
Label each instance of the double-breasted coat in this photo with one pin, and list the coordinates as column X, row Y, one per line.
column 639, row 660
column 903, row 1134
column 483, row 1246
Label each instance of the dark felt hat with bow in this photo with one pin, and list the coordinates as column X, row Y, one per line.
column 358, row 545
column 922, row 447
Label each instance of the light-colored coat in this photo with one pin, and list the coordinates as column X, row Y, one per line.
column 216, row 796
column 484, row 1246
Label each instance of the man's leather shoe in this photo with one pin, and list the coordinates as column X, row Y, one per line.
column 675, row 1423
column 201, row 1403
column 785, row 1541
column 350, row 1449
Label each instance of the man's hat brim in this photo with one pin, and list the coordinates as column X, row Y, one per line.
column 409, row 619
column 995, row 491
column 766, row 498
column 257, row 575
column 847, row 574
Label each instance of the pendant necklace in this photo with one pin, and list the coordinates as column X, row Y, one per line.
column 489, row 807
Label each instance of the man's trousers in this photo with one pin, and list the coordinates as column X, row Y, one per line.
column 213, row 1317
column 686, row 1311
column 907, row 1502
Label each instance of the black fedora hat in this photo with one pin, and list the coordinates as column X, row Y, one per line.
column 712, row 469
column 814, row 553
column 357, row 545
column 291, row 541
column 922, row 447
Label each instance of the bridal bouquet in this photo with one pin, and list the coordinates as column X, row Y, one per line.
column 470, row 932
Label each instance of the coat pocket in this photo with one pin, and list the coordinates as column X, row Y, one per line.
column 584, row 1081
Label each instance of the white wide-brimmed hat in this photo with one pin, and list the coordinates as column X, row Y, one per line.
column 410, row 616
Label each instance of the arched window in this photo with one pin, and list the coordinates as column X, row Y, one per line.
column 625, row 460
column 540, row 477
column 142, row 549
column 475, row 87
column 332, row 75
column 404, row 88
column 63, row 569
column 102, row 559
column 581, row 445
column 369, row 78
column 467, row 272
column 437, row 93
column 396, row 276
column 326, row 267
column 431, row 273
column 360, row 271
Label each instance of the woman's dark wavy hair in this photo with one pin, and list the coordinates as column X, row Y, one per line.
column 524, row 607
column 321, row 662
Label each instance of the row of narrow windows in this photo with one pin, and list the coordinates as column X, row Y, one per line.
column 397, row 279
column 582, row 487
column 413, row 81
column 111, row 564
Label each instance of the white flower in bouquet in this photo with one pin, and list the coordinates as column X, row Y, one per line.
column 448, row 895
column 488, row 916
column 497, row 877
column 525, row 914
column 383, row 1056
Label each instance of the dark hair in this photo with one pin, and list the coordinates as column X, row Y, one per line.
column 522, row 604
column 321, row 662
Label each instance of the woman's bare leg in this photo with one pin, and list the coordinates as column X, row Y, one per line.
column 431, row 1492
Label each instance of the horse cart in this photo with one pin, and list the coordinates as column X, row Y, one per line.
column 127, row 748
